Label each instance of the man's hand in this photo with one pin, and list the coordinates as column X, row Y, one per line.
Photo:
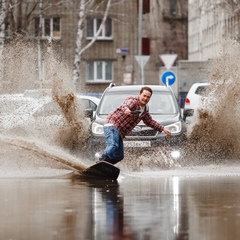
column 168, row 133
column 127, row 111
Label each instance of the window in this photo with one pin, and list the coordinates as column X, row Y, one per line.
column 51, row 27
column 99, row 71
column 145, row 46
column 173, row 7
column 160, row 103
column 202, row 91
column 88, row 104
column 146, row 6
column 93, row 25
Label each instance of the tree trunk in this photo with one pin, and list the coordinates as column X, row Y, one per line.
column 79, row 49
column 3, row 14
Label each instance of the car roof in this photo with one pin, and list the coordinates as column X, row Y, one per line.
column 136, row 88
column 92, row 98
column 93, row 94
column 201, row 84
column 196, row 85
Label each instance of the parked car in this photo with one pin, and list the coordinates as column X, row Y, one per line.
column 194, row 100
column 88, row 101
column 163, row 107
column 11, row 102
column 33, row 113
column 93, row 94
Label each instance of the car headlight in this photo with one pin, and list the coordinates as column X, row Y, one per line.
column 175, row 127
column 175, row 154
column 97, row 129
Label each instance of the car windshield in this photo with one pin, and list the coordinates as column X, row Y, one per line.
column 161, row 103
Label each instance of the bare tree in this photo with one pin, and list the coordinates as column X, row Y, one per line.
column 234, row 5
column 85, row 6
column 20, row 13
column 3, row 13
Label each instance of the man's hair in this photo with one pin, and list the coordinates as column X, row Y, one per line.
column 147, row 89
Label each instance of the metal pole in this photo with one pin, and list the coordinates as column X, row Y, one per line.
column 142, row 69
column 39, row 45
column 140, row 10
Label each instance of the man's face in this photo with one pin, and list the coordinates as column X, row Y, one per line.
column 144, row 97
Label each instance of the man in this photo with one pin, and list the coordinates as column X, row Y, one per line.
column 121, row 121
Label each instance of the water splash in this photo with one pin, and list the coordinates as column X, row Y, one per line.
column 28, row 157
column 76, row 133
column 216, row 133
column 21, row 58
column 20, row 72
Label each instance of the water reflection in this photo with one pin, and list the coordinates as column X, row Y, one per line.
column 134, row 208
column 156, row 208
column 147, row 209
column 106, row 209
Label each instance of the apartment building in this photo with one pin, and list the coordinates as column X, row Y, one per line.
column 158, row 27
column 210, row 22
column 132, row 28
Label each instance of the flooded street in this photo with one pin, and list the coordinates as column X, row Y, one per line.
column 135, row 207
column 43, row 199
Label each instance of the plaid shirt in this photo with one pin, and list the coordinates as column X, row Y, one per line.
column 125, row 123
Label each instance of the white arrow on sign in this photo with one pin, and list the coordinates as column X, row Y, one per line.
column 168, row 59
column 169, row 78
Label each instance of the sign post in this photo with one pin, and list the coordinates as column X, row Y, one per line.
column 142, row 60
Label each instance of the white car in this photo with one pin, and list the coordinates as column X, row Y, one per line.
column 89, row 102
column 194, row 100
column 31, row 117
column 36, row 115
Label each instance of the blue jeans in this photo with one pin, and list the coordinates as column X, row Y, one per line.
column 114, row 149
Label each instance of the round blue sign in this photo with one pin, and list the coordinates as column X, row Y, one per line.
column 168, row 78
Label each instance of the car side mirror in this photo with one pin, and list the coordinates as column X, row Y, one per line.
column 187, row 113
column 88, row 113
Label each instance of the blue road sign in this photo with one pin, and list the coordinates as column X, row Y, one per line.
column 168, row 78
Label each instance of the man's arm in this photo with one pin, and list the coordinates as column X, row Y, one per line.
column 155, row 125
column 129, row 105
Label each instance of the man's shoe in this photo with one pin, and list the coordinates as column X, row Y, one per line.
column 104, row 158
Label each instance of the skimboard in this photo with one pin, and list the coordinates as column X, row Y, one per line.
column 102, row 169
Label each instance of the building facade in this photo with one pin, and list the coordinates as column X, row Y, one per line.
column 133, row 28
column 210, row 23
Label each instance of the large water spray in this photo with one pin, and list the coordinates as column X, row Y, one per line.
column 216, row 132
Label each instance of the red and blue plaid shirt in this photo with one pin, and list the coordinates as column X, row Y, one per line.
column 125, row 123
